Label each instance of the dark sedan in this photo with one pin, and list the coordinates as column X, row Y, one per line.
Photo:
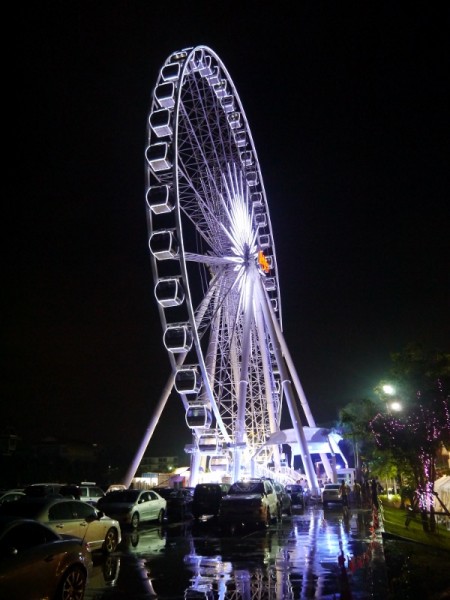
column 207, row 498
column 179, row 501
column 36, row 562
column 284, row 499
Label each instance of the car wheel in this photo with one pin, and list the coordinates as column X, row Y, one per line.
column 134, row 539
column 135, row 520
column 111, row 541
column 161, row 516
column 72, row 585
column 109, row 568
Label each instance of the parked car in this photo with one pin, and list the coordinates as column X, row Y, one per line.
column 331, row 494
column 130, row 507
column 114, row 487
column 207, row 497
column 43, row 489
column 179, row 501
column 10, row 495
column 251, row 501
column 36, row 560
column 73, row 517
column 284, row 499
column 90, row 492
column 297, row 494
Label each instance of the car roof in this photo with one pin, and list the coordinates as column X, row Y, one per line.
column 248, row 486
column 122, row 494
column 37, row 502
column 212, row 486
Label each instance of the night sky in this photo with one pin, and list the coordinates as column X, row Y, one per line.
column 349, row 110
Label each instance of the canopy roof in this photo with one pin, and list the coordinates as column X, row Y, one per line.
column 319, row 440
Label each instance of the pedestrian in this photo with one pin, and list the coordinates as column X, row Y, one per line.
column 357, row 494
column 374, row 493
column 366, row 493
column 344, row 492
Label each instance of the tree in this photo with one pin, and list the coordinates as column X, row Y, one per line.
column 416, row 435
column 353, row 424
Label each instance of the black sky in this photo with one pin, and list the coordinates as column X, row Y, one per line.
column 349, row 110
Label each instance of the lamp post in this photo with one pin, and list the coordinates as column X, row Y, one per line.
column 391, row 406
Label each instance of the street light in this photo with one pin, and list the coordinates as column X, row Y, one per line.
column 395, row 405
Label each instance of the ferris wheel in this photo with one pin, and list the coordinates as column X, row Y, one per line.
column 214, row 267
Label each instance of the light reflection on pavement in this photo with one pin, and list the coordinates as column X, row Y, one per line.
column 316, row 554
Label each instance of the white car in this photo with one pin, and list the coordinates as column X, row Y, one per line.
column 130, row 507
column 90, row 492
column 331, row 494
column 72, row 517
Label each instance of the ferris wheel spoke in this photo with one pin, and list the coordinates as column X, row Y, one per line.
column 210, row 260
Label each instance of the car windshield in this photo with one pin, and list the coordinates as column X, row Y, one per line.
column 121, row 496
column 247, row 487
column 332, row 486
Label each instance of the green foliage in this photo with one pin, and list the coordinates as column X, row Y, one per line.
column 354, row 419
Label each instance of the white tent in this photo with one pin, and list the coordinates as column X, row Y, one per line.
column 442, row 488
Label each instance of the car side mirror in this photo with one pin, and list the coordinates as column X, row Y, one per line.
column 92, row 517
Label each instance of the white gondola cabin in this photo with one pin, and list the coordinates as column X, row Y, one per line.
column 218, row 463
column 208, row 443
column 198, row 416
column 160, row 199
column 164, row 245
column 158, row 157
column 169, row 292
column 171, row 72
column 160, row 122
column 165, row 94
column 178, row 338
column 188, row 380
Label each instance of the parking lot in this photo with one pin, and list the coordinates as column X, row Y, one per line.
column 311, row 554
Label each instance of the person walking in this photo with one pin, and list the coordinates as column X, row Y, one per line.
column 374, row 493
column 344, row 492
column 357, row 494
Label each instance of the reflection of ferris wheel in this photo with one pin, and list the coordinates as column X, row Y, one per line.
column 214, row 267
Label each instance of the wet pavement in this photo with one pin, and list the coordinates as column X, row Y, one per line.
column 312, row 554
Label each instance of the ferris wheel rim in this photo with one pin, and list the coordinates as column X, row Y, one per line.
column 186, row 58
